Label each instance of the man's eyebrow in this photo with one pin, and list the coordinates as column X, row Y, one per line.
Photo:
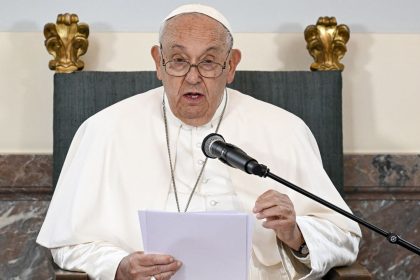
column 176, row 46
column 214, row 49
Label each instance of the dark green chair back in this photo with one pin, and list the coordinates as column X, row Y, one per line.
column 313, row 96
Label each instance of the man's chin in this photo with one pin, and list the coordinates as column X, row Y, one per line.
column 195, row 119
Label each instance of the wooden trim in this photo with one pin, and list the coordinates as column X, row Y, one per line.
column 382, row 193
column 353, row 272
column 14, row 193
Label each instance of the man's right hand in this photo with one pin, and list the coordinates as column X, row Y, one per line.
column 142, row 266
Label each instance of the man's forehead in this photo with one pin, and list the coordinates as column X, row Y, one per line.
column 206, row 49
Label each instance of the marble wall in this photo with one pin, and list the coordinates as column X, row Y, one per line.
column 383, row 189
column 25, row 192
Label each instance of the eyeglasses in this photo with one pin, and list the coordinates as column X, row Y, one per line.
column 181, row 67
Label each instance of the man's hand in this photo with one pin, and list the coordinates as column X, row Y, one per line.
column 142, row 266
column 278, row 210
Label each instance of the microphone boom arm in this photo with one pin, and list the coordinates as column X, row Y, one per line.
column 391, row 237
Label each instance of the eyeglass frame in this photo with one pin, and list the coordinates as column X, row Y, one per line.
column 194, row 65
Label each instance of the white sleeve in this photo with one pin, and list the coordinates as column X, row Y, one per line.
column 328, row 245
column 99, row 260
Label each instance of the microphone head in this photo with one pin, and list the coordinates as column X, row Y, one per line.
column 208, row 142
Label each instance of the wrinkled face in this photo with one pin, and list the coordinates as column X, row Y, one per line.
column 195, row 38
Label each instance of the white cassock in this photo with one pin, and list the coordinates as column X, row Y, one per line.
column 118, row 164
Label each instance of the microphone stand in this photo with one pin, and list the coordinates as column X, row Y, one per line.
column 214, row 146
column 263, row 171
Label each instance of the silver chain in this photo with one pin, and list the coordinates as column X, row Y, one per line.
column 170, row 158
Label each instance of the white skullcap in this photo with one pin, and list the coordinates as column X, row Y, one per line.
column 201, row 9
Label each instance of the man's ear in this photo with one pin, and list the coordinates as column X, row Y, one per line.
column 235, row 58
column 155, row 51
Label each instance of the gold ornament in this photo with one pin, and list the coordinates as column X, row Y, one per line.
column 326, row 43
column 66, row 41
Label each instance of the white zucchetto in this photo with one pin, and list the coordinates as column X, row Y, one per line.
column 201, row 9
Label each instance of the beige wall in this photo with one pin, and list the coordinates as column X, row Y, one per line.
column 380, row 95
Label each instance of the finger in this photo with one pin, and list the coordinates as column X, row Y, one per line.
column 271, row 201
column 271, row 193
column 155, row 259
column 275, row 196
column 278, row 224
column 159, row 269
column 266, row 204
column 268, row 193
column 164, row 275
column 274, row 218
column 279, row 211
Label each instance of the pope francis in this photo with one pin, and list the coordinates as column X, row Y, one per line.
column 145, row 153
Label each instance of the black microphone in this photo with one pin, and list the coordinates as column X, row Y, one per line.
column 215, row 146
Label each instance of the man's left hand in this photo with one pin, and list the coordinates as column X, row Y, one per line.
column 279, row 214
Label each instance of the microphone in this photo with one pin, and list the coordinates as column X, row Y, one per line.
column 215, row 146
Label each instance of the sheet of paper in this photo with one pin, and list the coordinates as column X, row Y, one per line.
column 211, row 245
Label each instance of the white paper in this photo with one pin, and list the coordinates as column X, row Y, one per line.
column 210, row 245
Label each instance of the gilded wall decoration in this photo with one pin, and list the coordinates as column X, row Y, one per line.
column 326, row 43
column 66, row 41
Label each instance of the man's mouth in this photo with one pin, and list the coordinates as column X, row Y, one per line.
column 193, row 95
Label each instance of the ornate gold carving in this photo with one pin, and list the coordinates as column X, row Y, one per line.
column 66, row 41
column 326, row 43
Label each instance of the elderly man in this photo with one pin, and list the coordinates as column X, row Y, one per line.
column 144, row 153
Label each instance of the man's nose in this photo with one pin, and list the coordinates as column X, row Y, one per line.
column 193, row 76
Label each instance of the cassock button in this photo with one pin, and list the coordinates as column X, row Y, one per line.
column 200, row 162
column 213, row 202
column 205, row 180
column 198, row 145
